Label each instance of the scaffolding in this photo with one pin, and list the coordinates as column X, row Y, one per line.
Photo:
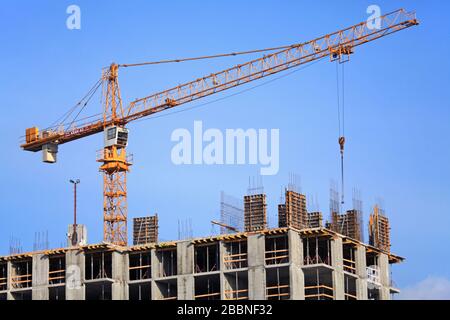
column 379, row 230
column 255, row 212
column 145, row 230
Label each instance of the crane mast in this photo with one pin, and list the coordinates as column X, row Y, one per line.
column 115, row 162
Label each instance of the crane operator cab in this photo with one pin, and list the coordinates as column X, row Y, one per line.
column 116, row 136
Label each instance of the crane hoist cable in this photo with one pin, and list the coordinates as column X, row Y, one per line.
column 341, row 121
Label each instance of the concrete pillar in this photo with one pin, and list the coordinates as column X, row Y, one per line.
column 185, row 268
column 223, row 283
column 338, row 266
column 9, row 296
column 256, row 270
column 296, row 276
column 120, row 276
column 155, row 274
column 75, row 263
column 361, row 272
column 40, row 268
column 383, row 265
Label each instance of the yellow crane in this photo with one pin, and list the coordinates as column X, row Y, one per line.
column 115, row 162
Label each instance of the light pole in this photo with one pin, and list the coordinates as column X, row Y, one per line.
column 74, row 233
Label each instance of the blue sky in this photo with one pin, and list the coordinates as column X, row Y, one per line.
column 397, row 115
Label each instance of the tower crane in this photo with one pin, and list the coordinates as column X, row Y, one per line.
column 115, row 162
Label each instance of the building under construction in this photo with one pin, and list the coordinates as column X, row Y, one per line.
column 292, row 262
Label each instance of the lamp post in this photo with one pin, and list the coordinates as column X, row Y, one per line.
column 74, row 237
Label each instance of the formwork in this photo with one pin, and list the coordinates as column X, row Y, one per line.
column 315, row 220
column 145, row 230
column 348, row 224
column 293, row 213
column 379, row 230
column 255, row 212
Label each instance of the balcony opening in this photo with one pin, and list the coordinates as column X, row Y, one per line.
column 21, row 276
column 101, row 290
column 349, row 260
column 277, row 250
column 167, row 289
column 236, row 285
column 317, row 250
column 206, row 258
column 98, row 265
column 277, row 283
column 57, row 293
column 140, row 266
column 235, row 256
column 167, row 259
column 318, row 283
column 207, row 287
column 140, row 291
column 3, row 276
column 57, row 270
column 350, row 287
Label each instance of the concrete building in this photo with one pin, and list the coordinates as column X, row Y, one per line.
column 281, row 263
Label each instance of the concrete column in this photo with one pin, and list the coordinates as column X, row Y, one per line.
column 40, row 268
column 9, row 296
column 75, row 263
column 185, row 268
column 120, row 275
column 383, row 265
column 155, row 274
column 223, row 284
column 256, row 267
column 338, row 266
column 361, row 272
column 296, row 276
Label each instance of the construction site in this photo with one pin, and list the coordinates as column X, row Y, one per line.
column 305, row 257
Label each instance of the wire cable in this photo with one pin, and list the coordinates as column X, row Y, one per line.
column 221, row 55
column 233, row 94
